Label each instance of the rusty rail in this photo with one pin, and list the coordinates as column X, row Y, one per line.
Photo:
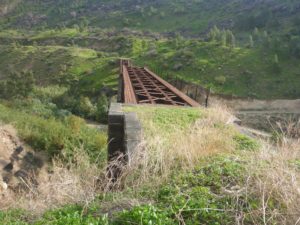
column 142, row 86
column 129, row 95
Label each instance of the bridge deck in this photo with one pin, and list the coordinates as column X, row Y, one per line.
column 141, row 86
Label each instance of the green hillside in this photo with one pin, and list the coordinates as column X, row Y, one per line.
column 236, row 47
column 191, row 17
column 263, row 68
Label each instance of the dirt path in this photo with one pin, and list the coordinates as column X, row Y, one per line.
column 280, row 105
column 267, row 115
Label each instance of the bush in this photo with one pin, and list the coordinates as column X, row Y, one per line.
column 221, row 80
column 84, row 107
column 102, row 109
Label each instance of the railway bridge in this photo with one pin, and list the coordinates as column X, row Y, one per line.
column 139, row 85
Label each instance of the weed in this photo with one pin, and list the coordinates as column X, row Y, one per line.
column 245, row 143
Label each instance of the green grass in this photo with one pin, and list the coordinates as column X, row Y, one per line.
column 68, row 215
column 196, row 196
column 69, row 33
column 57, row 138
column 165, row 118
column 246, row 143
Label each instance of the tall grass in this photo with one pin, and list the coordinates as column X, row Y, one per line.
column 178, row 146
column 274, row 179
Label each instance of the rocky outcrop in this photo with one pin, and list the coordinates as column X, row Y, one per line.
column 19, row 165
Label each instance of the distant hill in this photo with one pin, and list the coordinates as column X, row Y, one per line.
column 193, row 17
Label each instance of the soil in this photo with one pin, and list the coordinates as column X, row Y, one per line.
column 20, row 166
column 267, row 115
column 279, row 105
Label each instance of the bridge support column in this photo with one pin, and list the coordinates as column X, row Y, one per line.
column 115, row 131
column 124, row 138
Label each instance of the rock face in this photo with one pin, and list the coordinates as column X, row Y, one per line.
column 19, row 165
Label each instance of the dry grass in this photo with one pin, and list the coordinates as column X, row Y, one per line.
column 274, row 178
column 163, row 152
column 71, row 183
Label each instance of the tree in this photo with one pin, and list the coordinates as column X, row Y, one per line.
column 276, row 66
column 220, row 80
column 230, row 38
column 84, row 107
column 256, row 32
column 223, row 38
column 266, row 39
column 102, row 109
column 251, row 42
column 178, row 39
column 276, row 60
column 213, row 33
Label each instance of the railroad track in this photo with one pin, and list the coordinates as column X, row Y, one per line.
column 142, row 86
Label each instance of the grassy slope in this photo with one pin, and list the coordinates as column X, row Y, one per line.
column 47, row 62
column 56, row 137
column 203, row 171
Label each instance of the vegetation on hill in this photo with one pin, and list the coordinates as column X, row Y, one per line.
column 192, row 17
column 88, row 65
column 234, row 52
column 59, row 69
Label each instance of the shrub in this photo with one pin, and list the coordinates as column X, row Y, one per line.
column 177, row 67
column 102, row 109
column 84, row 107
column 220, row 80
